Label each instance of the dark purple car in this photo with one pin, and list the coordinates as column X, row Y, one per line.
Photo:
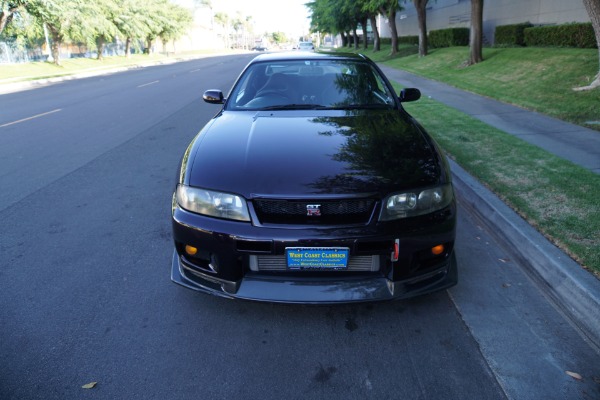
column 313, row 185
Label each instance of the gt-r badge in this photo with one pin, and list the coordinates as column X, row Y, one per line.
column 313, row 210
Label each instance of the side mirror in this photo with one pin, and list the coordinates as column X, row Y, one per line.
column 213, row 96
column 410, row 94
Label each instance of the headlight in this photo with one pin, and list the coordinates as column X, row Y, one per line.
column 214, row 204
column 411, row 204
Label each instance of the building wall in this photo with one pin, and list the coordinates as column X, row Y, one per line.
column 443, row 14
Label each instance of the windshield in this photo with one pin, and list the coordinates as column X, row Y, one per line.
column 314, row 84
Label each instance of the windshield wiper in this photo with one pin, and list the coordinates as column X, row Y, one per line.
column 295, row 107
column 362, row 107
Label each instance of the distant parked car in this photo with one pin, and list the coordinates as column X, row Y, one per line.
column 306, row 46
column 260, row 48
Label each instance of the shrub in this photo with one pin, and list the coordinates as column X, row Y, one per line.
column 449, row 37
column 511, row 35
column 579, row 35
column 408, row 40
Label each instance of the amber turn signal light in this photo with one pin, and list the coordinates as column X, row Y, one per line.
column 190, row 250
column 437, row 250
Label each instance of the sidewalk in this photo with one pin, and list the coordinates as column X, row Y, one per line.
column 571, row 142
column 573, row 290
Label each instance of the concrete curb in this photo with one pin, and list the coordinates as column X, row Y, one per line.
column 574, row 291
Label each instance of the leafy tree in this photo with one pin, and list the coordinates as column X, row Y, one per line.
column 321, row 18
column 335, row 16
column 355, row 16
column 8, row 9
column 156, row 20
column 67, row 19
column 224, row 20
column 132, row 21
column 242, row 26
column 96, row 22
column 593, row 9
column 177, row 22
column 389, row 8
column 100, row 18
column 24, row 30
column 371, row 13
column 279, row 37
column 476, row 35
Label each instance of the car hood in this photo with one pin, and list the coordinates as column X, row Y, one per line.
column 296, row 153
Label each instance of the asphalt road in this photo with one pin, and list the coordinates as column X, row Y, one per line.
column 85, row 294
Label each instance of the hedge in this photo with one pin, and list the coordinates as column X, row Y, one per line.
column 449, row 37
column 408, row 40
column 579, row 35
column 511, row 35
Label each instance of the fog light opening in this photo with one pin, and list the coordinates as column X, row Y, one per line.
column 191, row 250
column 213, row 264
column 437, row 250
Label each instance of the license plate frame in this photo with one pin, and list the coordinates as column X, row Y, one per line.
column 317, row 258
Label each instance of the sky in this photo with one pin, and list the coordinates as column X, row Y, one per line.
column 288, row 16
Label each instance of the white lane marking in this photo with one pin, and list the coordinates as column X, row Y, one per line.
column 28, row 118
column 146, row 84
column 196, row 70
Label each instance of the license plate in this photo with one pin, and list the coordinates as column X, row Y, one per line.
column 329, row 258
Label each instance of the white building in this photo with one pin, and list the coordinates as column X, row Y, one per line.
column 442, row 14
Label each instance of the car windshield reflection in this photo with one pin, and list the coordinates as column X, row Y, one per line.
column 301, row 85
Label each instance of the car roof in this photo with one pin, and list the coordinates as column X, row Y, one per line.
column 316, row 55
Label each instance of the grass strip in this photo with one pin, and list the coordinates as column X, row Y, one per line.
column 41, row 70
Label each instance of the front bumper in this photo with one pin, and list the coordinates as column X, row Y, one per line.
column 226, row 250
column 310, row 290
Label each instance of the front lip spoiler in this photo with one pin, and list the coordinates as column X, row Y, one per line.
column 311, row 291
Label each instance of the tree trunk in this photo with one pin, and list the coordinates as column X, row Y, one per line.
column 363, row 24
column 148, row 49
column 392, row 22
column 55, row 46
column 476, row 34
column 344, row 39
column 421, row 6
column 355, row 35
column 376, row 41
column 4, row 20
column 100, row 42
column 128, row 47
column 350, row 39
column 593, row 10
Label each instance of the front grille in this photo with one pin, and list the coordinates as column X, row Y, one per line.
column 329, row 212
column 271, row 263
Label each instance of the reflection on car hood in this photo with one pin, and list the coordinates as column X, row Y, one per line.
column 293, row 153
